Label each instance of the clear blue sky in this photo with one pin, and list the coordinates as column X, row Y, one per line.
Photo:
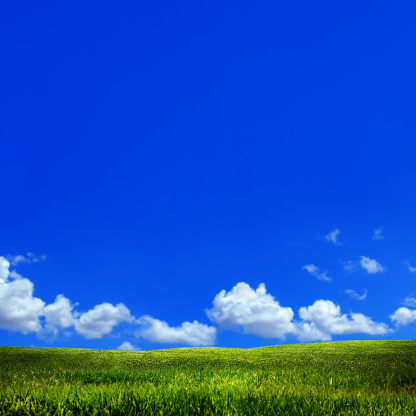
column 234, row 174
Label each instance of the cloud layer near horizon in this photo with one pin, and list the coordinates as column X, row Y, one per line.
column 240, row 309
column 21, row 311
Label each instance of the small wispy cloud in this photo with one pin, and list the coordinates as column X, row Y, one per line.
column 371, row 265
column 410, row 268
column 29, row 258
column 355, row 295
column 410, row 301
column 314, row 271
column 332, row 237
column 378, row 234
column 350, row 265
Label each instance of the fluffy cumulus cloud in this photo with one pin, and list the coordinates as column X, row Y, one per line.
column 59, row 315
column 308, row 331
column 371, row 265
column 355, row 295
column 4, row 269
column 333, row 237
column 325, row 318
column 255, row 311
column 314, row 271
column 21, row 312
column 190, row 333
column 403, row 316
column 19, row 309
column 101, row 320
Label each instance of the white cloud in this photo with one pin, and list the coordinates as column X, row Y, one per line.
column 332, row 237
column 128, row 346
column 19, row 309
column 410, row 301
column 350, row 266
column 195, row 333
column 411, row 269
column 306, row 332
column 59, row 315
column 378, row 234
column 326, row 319
column 371, row 265
column 403, row 316
column 4, row 269
column 355, row 295
column 100, row 320
column 311, row 268
column 255, row 311
column 314, row 271
column 30, row 258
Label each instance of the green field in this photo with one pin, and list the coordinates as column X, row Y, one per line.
column 324, row 378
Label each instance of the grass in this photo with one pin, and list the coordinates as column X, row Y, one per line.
column 325, row 378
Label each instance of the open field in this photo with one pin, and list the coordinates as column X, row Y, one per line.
column 325, row 378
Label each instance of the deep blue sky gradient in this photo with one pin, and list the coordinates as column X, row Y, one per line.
column 158, row 153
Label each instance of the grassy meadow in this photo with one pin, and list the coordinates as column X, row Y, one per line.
column 324, row 378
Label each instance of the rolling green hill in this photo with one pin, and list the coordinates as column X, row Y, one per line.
column 331, row 378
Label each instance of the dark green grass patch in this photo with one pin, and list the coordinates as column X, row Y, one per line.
column 325, row 378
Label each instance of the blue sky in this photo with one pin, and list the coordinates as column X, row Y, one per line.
column 232, row 174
